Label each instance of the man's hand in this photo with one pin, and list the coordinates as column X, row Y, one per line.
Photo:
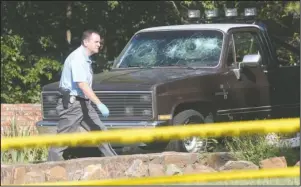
column 103, row 109
column 91, row 95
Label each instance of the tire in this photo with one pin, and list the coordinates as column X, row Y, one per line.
column 197, row 144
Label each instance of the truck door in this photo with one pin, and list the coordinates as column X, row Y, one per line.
column 249, row 95
column 284, row 78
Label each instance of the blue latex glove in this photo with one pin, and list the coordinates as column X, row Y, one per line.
column 103, row 109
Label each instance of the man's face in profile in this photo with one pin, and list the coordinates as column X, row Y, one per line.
column 94, row 43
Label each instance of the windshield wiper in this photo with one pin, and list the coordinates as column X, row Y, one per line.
column 141, row 66
column 174, row 65
column 146, row 67
column 183, row 66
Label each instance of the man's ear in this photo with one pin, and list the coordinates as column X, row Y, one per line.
column 85, row 42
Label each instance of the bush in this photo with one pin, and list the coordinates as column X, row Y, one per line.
column 255, row 148
column 23, row 71
column 26, row 155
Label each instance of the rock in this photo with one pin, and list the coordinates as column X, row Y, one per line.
column 172, row 169
column 156, row 158
column 274, row 162
column 197, row 168
column 57, row 173
column 77, row 175
column 137, row 169
column 203, row 169
column 239, row 165
column 298, row 163
column 216, row 160
column 116, row 170
column 180, row 159
column 189, row 170
column 6, row 175
column 74, row 171
column 117, row 166
column 94, row 172
column 19, row 174
column 155, row 170
column 34, row 177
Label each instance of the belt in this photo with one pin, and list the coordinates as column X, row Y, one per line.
column 76, row 98
column 81, row 99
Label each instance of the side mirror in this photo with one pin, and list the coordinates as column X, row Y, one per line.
column 249, row 61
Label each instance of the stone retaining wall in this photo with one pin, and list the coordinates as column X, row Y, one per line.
column 129, row 166
column 126, row 166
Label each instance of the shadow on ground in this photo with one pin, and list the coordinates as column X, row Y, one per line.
column 81, row 152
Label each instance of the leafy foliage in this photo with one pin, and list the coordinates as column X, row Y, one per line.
column 34, row 34
column 22, row 71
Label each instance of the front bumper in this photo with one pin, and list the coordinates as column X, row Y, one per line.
column 49, row 127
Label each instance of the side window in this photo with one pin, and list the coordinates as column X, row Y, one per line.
column 246, row 43
column 287, row 56
column 231, row 62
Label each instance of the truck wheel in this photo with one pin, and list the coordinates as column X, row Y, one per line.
column 190, row 144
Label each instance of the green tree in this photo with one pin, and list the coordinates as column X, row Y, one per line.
column 35, row 43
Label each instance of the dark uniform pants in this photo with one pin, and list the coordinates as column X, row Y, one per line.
column 78, row 114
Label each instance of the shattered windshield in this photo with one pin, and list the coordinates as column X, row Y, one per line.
column 200, row 48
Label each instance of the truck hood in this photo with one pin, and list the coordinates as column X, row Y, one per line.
column 136, row 79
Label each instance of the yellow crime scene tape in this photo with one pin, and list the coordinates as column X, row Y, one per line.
column 167, row 133
column 191, row 178
column 151, row 134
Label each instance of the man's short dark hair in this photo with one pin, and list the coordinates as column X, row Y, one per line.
column 88, row 33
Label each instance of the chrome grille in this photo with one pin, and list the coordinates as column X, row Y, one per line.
column 127, row 105
column 49, row 102
column 122, row 105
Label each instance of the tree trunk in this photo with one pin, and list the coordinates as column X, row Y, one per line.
column 68, row 14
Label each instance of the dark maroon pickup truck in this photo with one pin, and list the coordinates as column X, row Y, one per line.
column 191, row 73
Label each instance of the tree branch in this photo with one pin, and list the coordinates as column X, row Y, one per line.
column 184, row 7
column 175, row 7
column 178, row 13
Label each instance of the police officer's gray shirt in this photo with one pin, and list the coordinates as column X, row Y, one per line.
column 77, row 68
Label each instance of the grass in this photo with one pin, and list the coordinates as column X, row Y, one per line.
column 255, row 148
column 26, row 155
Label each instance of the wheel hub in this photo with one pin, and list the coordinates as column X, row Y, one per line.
column 194, row 144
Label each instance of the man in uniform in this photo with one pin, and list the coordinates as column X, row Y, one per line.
column 74, row 105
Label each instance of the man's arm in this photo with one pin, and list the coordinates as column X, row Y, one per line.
column 80, row 77
column 88, row 92
column 91, row 95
